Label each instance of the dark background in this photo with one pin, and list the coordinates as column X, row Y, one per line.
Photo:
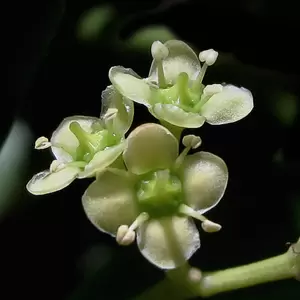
column 57, row 66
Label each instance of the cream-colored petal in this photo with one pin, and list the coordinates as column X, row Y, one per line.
column 169, row 242
column 47, row 182
column 102, row 160
column 181, row 58
column 111, row 98
column 228, row 106
column 64, row 143
column 204, row 178
column 130, row 85
column 109, row 202
column 150, row 147
column 177, row 116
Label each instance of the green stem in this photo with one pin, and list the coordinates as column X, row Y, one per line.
column 272, row 269
column 178, row 286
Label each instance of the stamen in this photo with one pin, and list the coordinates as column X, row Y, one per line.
column 190, row 142
column 126, row 235
column 142, row 218
column 202, row 73
column 109, row 117
column 42, row 143
column 207, row 225
column 160, row 52
column 208, row 91
column 56, row 166
column 209, row 57
column 210, row 226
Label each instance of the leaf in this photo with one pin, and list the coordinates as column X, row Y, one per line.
column 143, row 38
column 92, row 23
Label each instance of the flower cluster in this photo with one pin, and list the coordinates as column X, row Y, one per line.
column 144, row 189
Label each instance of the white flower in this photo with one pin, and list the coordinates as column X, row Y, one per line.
column 156, row 198
column 84, row 146
column 173, row 91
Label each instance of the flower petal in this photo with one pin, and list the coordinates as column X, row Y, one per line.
column 228, row 106
column 111, row 98
column 47, row 182
column 150, row 147
column 181, row 58
column 109, row 202
column 204, row 177
column 177, row 116
column 102, row 160
column 64, row 142
column 130, row 85
column 169, row 242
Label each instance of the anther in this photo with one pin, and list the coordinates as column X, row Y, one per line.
column 207, row 225
column 125, row 236
column 159, row 51
column 56, row 166
column 42, row 143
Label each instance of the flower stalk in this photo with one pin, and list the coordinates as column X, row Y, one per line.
column 280, row 267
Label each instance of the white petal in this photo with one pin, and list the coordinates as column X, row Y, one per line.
column 130, row 85
column 181, row 58
column 204, row 178
column 111, row 98
column 102, row 160
column 109, row 202
column 177, row 116
column 46, row 182
column 150, row 147
column 228, row 106
column 64, row 143
column 168, row 242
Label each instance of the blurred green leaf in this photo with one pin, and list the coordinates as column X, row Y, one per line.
column 143, row 38
column 285, row 107
column 14, row 159
column 92, row 23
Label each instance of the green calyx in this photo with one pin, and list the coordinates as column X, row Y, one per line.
column 182, row 94
column 91, row 143
column 159, row 193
